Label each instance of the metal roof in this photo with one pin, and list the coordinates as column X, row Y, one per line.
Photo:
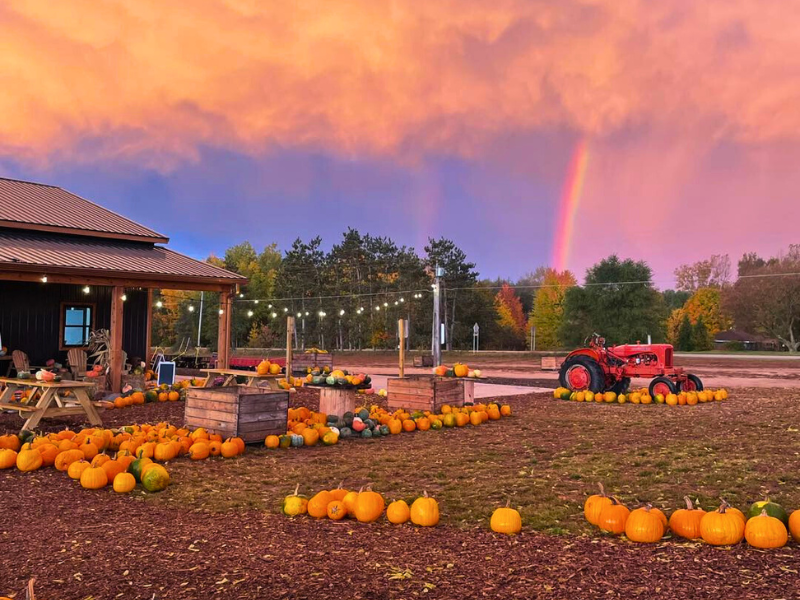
column 27, row 205
column 43, row 252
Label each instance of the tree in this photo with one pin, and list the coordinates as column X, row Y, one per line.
column 701, row 339
column 767, row 301
column 618, row 300
column 548, row 308
column 713, row 272
column 510, row 318
column 706, row 304
column 675, row 298
column 458, row 276
column 528, row 286
column 685, row 339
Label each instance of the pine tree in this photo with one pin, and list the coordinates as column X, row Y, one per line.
column 701, row 339
column 686, row 335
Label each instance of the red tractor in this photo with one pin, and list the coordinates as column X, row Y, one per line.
column 601, row 369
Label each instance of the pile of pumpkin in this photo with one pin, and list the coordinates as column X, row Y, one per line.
column 162, row 393
column 365, row 506
column 642, row 396
column 767, row 525
column 84, row 457
column 457, row 370
column 307, row 428
column 340, row 379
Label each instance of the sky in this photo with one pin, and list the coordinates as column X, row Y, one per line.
column 530, row 132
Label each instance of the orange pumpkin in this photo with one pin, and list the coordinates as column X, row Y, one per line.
column 318, row 505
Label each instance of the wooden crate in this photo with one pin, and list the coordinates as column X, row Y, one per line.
column 301, row 362
column 426, row 360
column 250, row 413
column 336, row 402
column 551, row 363
column 429, row 393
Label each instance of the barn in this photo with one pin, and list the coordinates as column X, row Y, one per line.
column 69, row 266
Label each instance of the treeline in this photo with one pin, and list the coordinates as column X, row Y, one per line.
column 351, row 297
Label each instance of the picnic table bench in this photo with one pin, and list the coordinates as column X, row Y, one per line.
column 45, row 394
column 230, row 375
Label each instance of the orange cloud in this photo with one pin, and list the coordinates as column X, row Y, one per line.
column 156, row 80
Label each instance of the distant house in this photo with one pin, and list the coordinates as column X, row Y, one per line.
column 69, row 266
column 749, row 341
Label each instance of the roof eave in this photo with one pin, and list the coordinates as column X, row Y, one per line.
column 90, row 233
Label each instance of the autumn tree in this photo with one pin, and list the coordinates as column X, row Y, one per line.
column 510, row 318
column 685, row 336
column 701, row 337
column 548, row 308
column 767, row 299
column 715, row 272
column 705, row 304
column 618, row 300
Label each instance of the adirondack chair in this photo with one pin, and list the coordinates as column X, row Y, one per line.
column 76, row 358
column 21, row 361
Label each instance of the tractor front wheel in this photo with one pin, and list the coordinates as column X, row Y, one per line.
column 582, row 373
column 692, row 384
column 663, row 386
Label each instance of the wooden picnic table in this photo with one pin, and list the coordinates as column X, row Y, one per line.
column 230, row 375
column 45, row 394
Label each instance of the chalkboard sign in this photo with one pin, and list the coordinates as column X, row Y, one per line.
column 166, row 372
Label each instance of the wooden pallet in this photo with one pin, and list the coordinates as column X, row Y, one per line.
column 247, row 412
column 429, row 393
column 301, row 362
column 551, row 363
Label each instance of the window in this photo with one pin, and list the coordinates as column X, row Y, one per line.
column 76, row 324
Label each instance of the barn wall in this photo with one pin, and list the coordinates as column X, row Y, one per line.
column 30, row 319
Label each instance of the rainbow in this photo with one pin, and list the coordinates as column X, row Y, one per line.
column 568, row 205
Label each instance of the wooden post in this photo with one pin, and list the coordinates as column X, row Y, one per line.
column 115, row 352
column 289, row 330
column 223, row 331
column 149, row 326
column 401, row 326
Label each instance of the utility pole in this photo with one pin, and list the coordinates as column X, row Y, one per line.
column 200, row 322
column 437, row 339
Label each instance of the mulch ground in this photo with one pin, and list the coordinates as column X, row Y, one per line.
column 216, row 531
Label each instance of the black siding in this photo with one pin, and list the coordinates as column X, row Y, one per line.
column 30, row 319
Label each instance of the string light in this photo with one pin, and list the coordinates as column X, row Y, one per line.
column 256, row 301
column 299, row 315
column 159, row 304
column 124, row 297
column 322, row 313
column 249, row 313
column 191, row 308
column 44, row 278
column 86, row 289
column 287, row 310
column 341, row 313
column 222, row 312
column 274, row 315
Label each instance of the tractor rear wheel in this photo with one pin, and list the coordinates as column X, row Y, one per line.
column 582, row 373
column 692, row 384
column 663, row 386
column 621, row 387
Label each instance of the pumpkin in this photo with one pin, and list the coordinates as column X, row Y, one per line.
column 398, row 512
column 773, row 510
column 229, row 449
column 336, row 510
column 310, row 436
column 505, row 410
column 475, row 418
column 349, row 501
column 369, row 506
column 594, row 505
column 423, row 424
column 732, row 510
column 339, row 493
column 67, row 457
column 330, row 438
column 29, row 460
column 8, row 458
column 460, row 370
column 794, row 525
column 722, row 527
column 10, row 442
column 318, row 505
column 613, row 517
column 124, row 483
column 685, row 522
column 644, row 525
column 765, row 532
column 155, row 478
column 239, row 444
column 99, row 459
column 49, row 454
column 113, row 468
column 272, row 441
column 136, row 467
column 425, row 511
column 409, row 425
column 506, row 520
column 93, row 478
column 89, row 449
column 77, row 468
column 294, row 504
column 199, row 451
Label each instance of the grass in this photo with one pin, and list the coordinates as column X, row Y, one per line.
column 545, row 460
